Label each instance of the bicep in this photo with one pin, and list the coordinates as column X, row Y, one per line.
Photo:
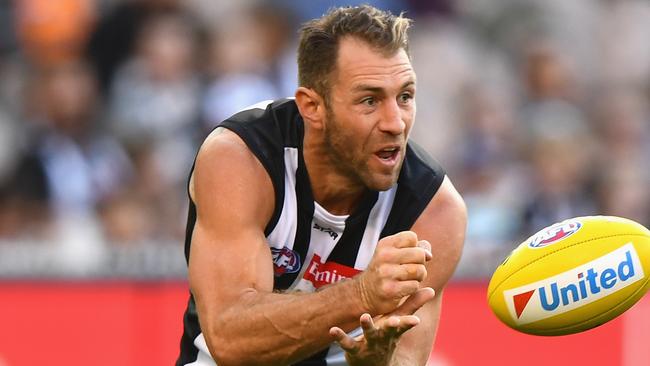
column 223, row 268
column 234, row 199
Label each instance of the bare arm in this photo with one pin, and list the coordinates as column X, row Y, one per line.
column 442, row 224
column 231, row 273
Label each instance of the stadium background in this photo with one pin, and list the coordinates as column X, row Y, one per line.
column 539, row 110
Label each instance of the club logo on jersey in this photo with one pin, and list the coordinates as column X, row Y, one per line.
column 554, row 233
column 321, row 274
column 576, row 287
column 285, row 260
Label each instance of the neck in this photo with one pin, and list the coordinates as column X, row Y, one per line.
column 332, row 189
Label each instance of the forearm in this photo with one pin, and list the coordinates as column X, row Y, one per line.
column 271, row 328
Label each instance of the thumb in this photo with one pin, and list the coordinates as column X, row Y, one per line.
column 415, row 301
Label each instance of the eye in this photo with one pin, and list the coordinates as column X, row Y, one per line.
column 369, row 101
column 405, row 97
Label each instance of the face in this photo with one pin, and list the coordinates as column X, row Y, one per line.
column 370, row 113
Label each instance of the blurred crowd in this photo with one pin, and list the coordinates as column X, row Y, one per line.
column 538, row 109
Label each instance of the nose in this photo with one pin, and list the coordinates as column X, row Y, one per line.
column 392, row 119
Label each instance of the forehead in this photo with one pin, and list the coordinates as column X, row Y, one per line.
column 360, row 63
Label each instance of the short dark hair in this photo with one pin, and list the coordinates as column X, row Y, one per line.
column 319, row 40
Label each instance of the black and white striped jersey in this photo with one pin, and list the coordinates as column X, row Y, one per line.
column 311, row 247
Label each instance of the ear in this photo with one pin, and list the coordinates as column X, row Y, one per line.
column 311, row 106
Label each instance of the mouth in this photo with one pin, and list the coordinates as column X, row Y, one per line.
column 388, row 155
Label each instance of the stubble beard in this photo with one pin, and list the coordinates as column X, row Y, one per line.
column 346, row 164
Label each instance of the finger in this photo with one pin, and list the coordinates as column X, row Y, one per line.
column 411, row 255
column 368, row 326
column 406, row 288
column 408, row 272
column 394, row 326
column 347, row 343
column 402, row 321
column 404, row 239
column 415, row 301
column 397, row 325
column 393, row 322
column 424, row 244
column 409, row 321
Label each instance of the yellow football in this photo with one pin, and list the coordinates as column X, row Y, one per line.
column 572, row 276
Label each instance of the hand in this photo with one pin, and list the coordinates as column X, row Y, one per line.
column 394, row 272
column 377, row 344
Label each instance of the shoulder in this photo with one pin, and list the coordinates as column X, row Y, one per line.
column 223, row 152
column 253, row 133
column 268, row 122
column 222, row 144
column 244, row 158
column 227, row 172
column 267, row 128
column 421, row 173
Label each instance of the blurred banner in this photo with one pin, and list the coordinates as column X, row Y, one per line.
column 139, row 323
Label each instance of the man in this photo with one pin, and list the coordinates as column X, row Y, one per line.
column 314, row 216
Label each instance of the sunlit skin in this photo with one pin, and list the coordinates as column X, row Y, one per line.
column 358, row 141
